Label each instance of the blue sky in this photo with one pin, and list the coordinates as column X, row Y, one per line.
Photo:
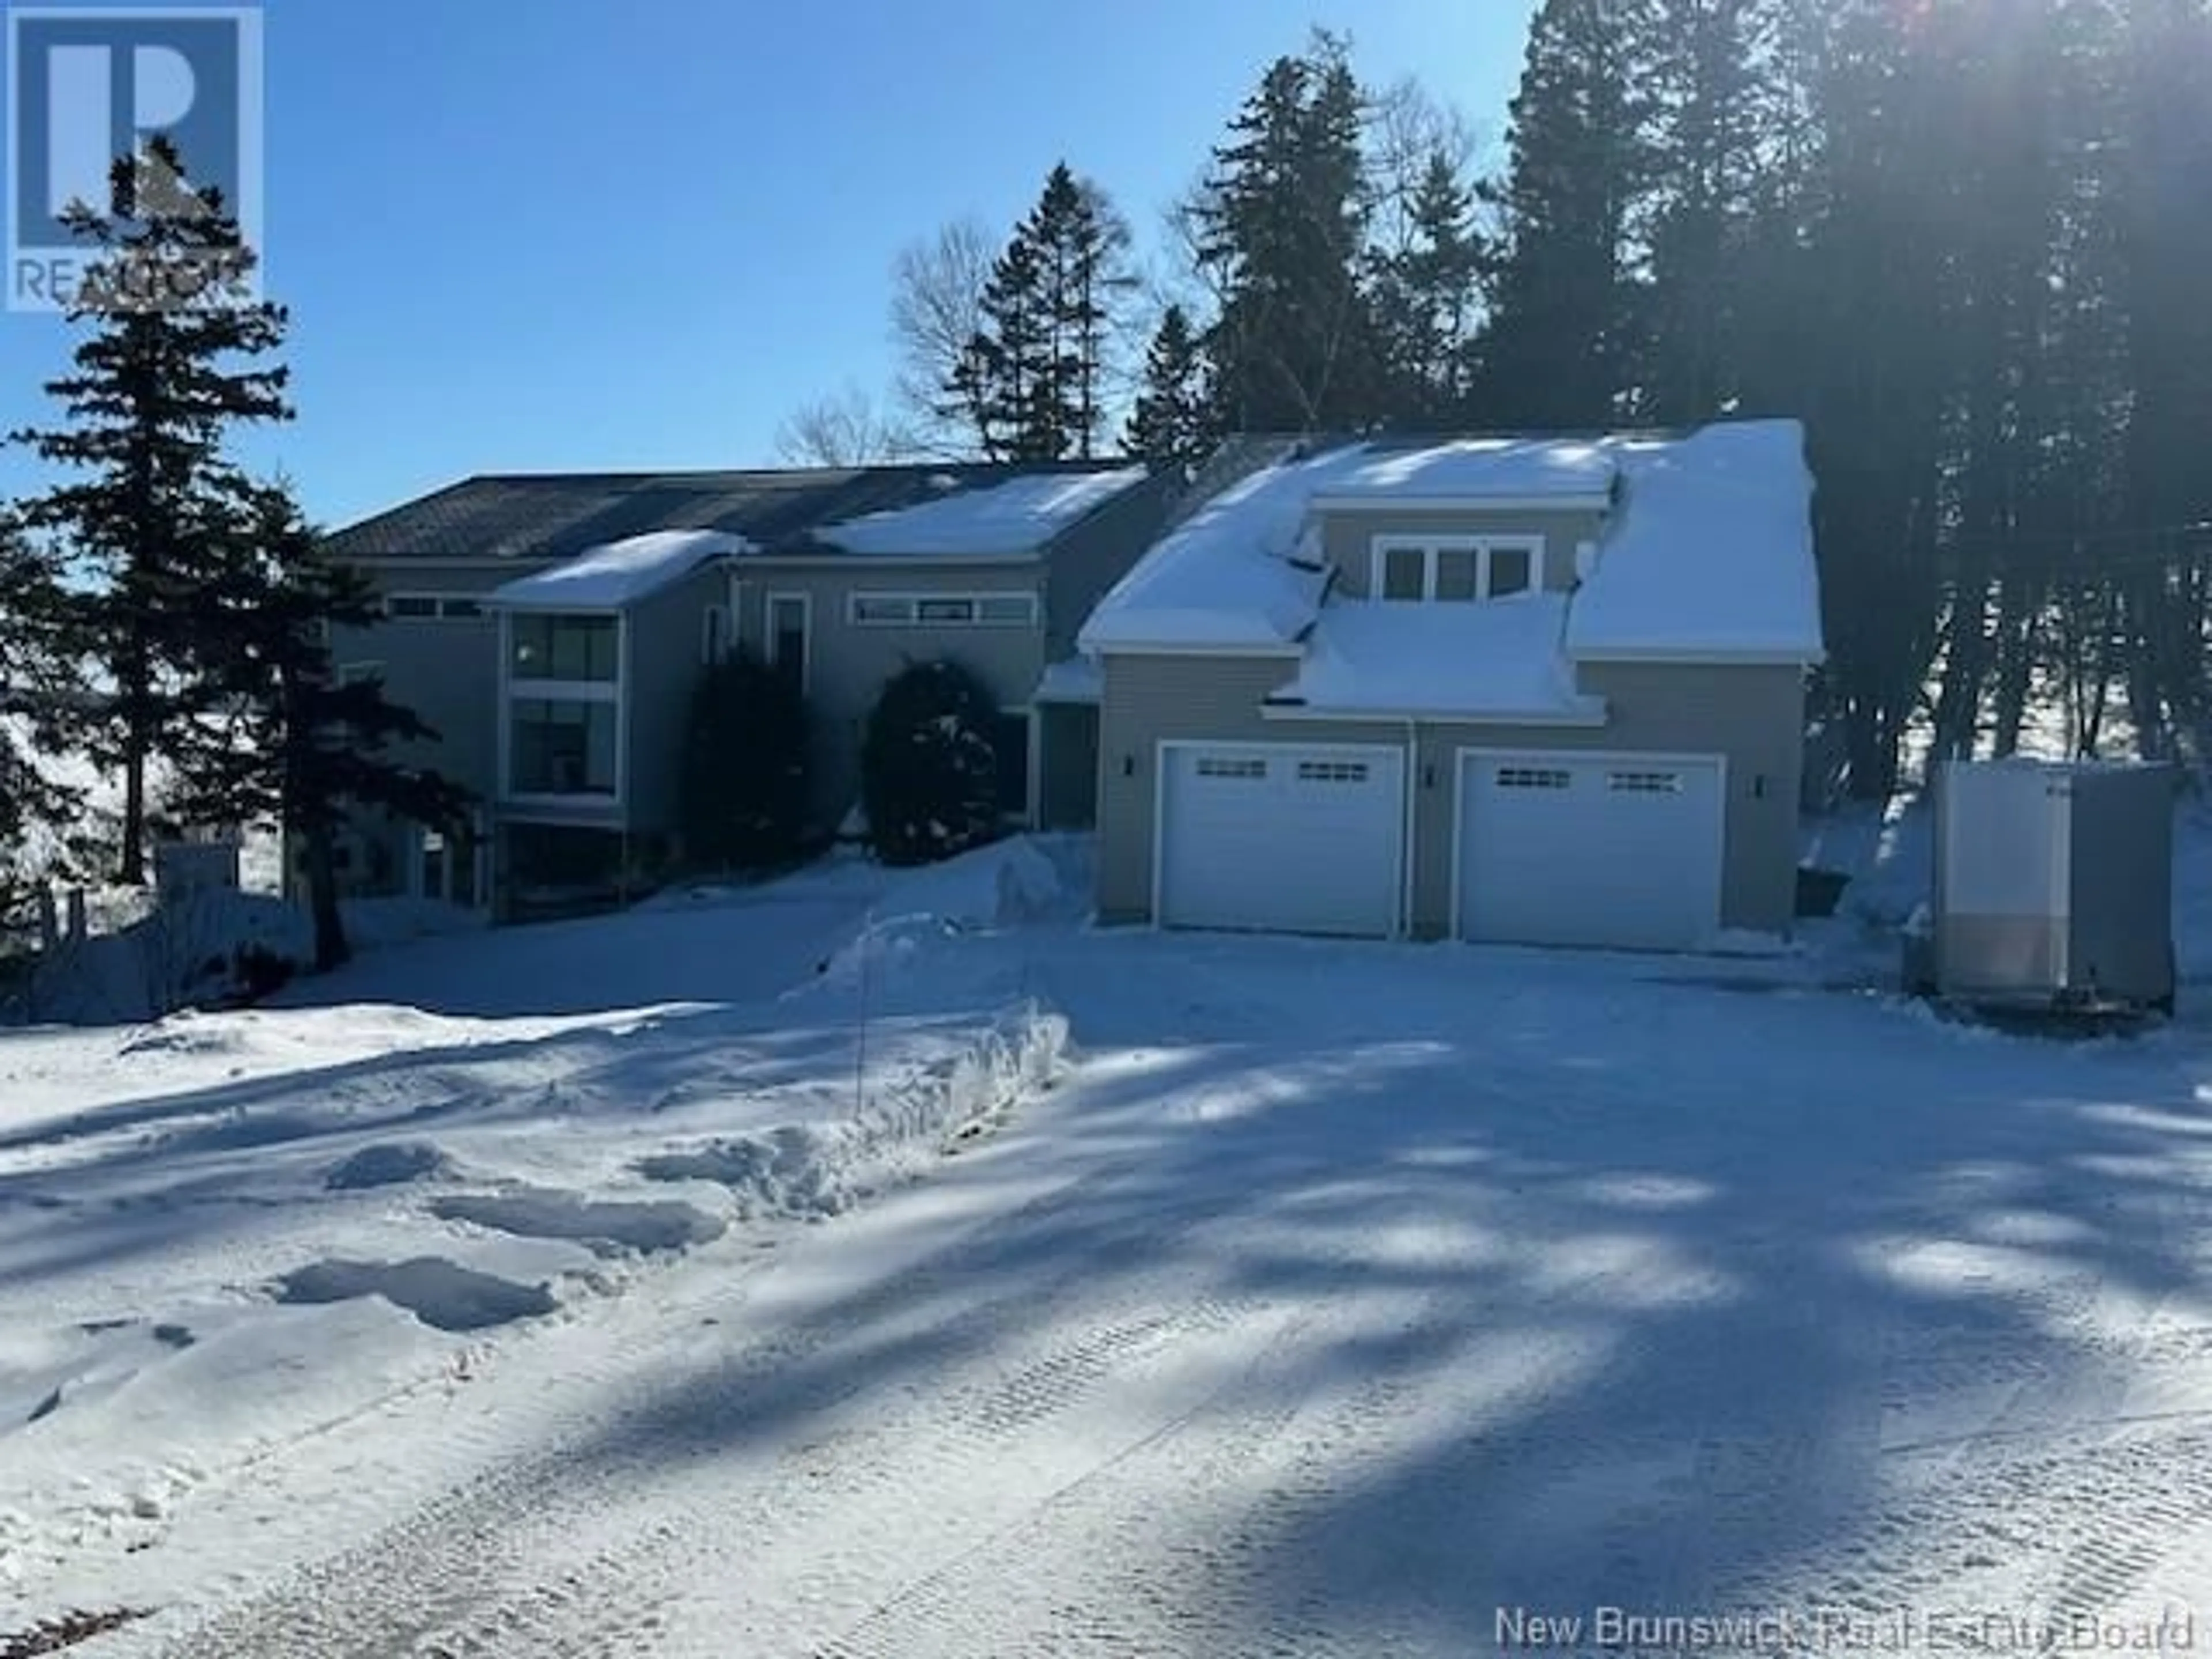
column 579, row 233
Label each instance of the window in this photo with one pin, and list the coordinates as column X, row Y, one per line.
column 1332, row 771
column 942, row 610
column 713, row 633
column 1510, row 570
column 1228, row 766
column 1019, row 609
column 1414, row 568
column 1532, row 777
column 557, row 747
column 1010, row 744
column 429, row 607
column 353, row 673
column 1458, row 572
column 786, row 635
column 554, row 648
column 879, row 610
column 1645, row 783
column 1405, row 573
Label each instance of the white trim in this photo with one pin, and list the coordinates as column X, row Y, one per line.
column 1596, row 719
column 974, row 600
column 565, row 690
column 1288, row 648
column 1693, row 656
column 1639, row 757
column 439, row 602
column 771, row 563
column 1162, row 746
column 736, row 588
column 806, row 600
column 1462, row 503
column 1538, row 547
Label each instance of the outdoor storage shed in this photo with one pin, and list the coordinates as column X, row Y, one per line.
column 2054, row 885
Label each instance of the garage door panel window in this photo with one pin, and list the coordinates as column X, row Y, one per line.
column 1332, row 771
column 1531, row 777
column 1217, row 766
column 1645, row 783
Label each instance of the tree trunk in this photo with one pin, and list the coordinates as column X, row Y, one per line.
column 332, row 950
column 130, row 868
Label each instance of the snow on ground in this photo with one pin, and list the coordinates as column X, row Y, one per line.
column 1339, row 1299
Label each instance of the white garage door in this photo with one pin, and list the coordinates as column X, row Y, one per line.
column 1282, row 838
column 1580, row 849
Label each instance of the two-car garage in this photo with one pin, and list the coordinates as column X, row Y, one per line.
column 1569, row 848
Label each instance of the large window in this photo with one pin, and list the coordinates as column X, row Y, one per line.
column 1415, row 569
column 561, row 748
column 556, row 648
column 1014, row 610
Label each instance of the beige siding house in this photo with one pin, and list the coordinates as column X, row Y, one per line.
column 1525, row 690
column 553, row 630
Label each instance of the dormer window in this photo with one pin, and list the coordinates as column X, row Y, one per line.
column 1415, row 569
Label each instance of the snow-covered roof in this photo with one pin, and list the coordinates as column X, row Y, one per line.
column 618, row 574
column 1019, row 516
column 1225, row 576
column 1073, row 679
column 1711, row 553
column 1499, row 660
column 1554, row 471
column 1708, row 551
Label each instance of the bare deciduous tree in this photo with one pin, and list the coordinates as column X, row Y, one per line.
column 937, row 311
column 847, row 427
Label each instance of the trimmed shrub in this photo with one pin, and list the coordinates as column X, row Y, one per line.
column 929, row 774
column 744, row 768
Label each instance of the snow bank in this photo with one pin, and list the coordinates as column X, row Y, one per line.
column 1497, row 659
column 618, row 574
column 815, row 1168
column 1009, row 883
column 1019, row 516
column 1711, row 551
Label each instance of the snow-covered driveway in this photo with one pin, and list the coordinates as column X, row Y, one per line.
column 1341, row 1301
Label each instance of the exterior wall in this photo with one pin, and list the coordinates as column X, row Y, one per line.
column 1095, row 554
column 849, row 664
column 1753, row 716
column 1067, row 788
column 448, row 672
column 666, row 658
column 1151, row 699
column 1348, row 536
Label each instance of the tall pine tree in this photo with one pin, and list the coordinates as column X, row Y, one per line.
column 1563, row 345
column 147, row 525
column 1426, row 299
column 1279, row 229
column 1172, row 425
column 301, row 748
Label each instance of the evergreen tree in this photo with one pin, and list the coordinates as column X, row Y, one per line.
column 1172, row 425
column 1563, row 348
column 156, row 388
column 1426, row 298
column 1034, row 374
column 301, row 747
column 28, row 681
column 1280, row 236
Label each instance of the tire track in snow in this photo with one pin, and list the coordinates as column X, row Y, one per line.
column 429, row 1583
